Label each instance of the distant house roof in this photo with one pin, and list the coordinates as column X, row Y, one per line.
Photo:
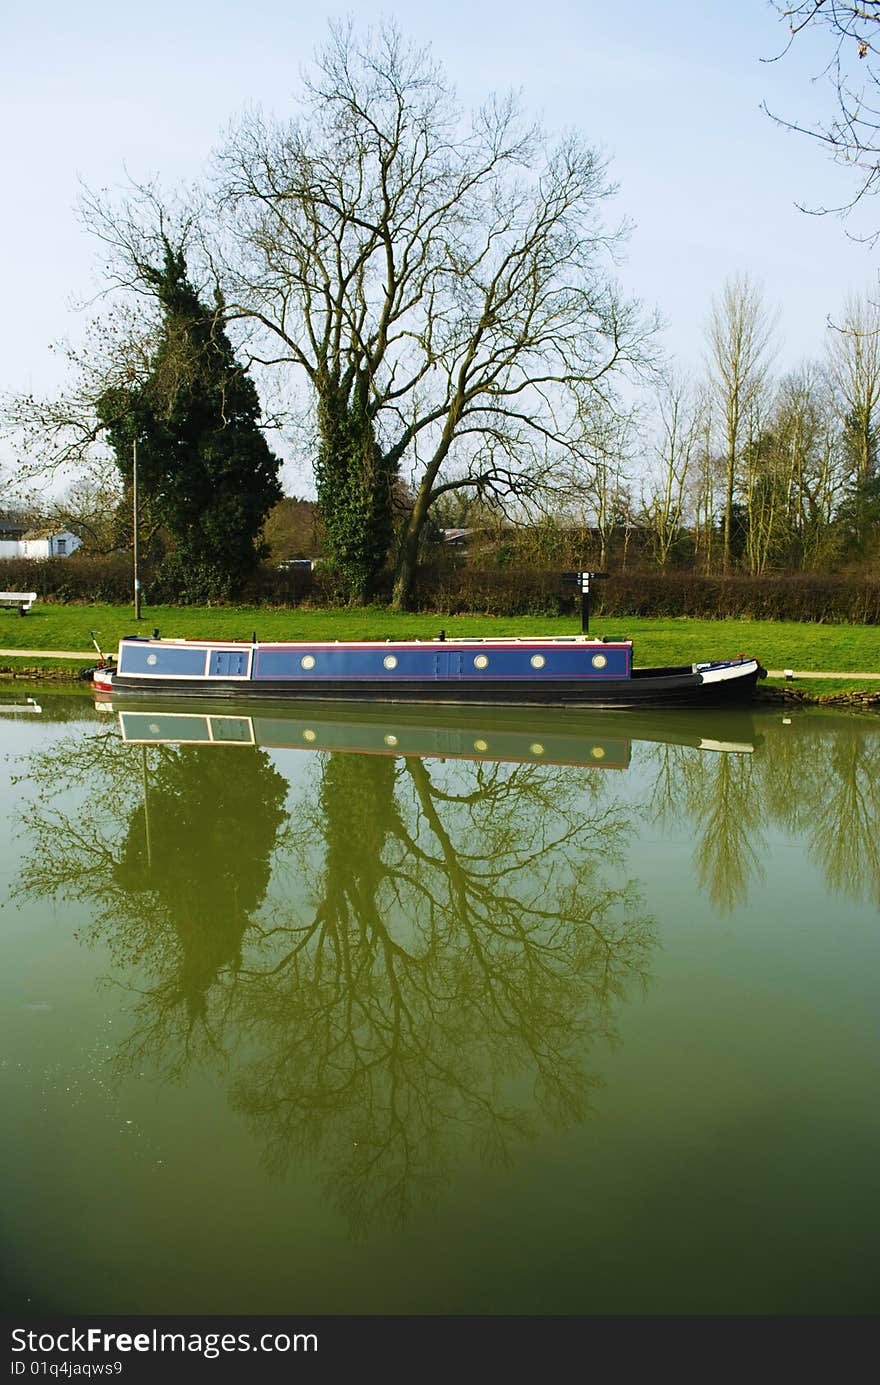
column 45, row 531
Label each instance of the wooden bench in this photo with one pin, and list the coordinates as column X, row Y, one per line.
column 17, row 601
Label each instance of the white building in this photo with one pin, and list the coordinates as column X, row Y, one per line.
column 40, row 543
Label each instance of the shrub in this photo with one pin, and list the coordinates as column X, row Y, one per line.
column 799, row 597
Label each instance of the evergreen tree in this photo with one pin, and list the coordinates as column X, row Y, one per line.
column 203, row 464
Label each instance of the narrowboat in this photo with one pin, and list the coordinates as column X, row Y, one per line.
column 553, row 671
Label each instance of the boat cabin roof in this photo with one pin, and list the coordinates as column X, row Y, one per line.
column 505, row 640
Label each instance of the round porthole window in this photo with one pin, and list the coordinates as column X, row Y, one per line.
column 537, row 748
column 538, row 661
column 597, row 752
column 390, row 740
column 481, row 746
column 390, row 661
column 308, row 661
column 599, row 661
column 481, row 661
column 154, row 729
column 152, row 659
column 309, row 734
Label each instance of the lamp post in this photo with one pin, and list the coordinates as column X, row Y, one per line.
column 134, row 510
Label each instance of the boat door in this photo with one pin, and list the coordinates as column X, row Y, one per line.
column 447, row 664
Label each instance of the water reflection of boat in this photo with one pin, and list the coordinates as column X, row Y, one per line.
column 449, row 732
column 16, row 708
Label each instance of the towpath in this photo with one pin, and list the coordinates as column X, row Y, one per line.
column 47, row 653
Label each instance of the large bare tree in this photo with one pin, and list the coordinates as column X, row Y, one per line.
column 441, row 282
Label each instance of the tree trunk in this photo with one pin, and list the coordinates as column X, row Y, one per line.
column 408, row 555
column 354, row 480
column 727, row 554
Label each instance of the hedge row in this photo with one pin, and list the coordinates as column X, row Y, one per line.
column 837, row 600
column 832, row 599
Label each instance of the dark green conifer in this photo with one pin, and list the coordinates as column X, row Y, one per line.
column 203, row 462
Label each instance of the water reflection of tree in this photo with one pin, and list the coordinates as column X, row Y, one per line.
column 436, row 994
column 171, row 848
column 820, row 776
column 461, row 954
column 844, row 822
column 718, row 795
column 816, row 775
column 201, row 845
column 415, row 962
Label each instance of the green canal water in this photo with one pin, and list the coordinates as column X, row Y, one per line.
column 438, row 1013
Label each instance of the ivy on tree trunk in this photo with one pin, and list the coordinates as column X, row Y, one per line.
column 354, row 481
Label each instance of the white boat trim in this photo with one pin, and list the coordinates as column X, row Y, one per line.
column 728, row 671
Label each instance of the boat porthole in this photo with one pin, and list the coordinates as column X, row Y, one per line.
column 152, row 659
column 309, row 734
column 538, row 661
column 481, row 746
column 307, row 661
column 599, row 661
column 154, row 729
column 597, row 752
column 537, row 748
column 390, row 661
column 390, row 740
column 481, row 661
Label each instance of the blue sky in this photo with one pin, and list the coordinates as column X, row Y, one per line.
column 670, row 92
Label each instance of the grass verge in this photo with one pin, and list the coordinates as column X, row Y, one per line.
column 783, row 644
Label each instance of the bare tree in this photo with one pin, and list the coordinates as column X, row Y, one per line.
column 675, row 455
column 804, row 436
column 593, row 486
column 764, row 487
column 854, row 361
column 442, row 284
column 740, row 337
column 852, row 134
column 61, row 438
